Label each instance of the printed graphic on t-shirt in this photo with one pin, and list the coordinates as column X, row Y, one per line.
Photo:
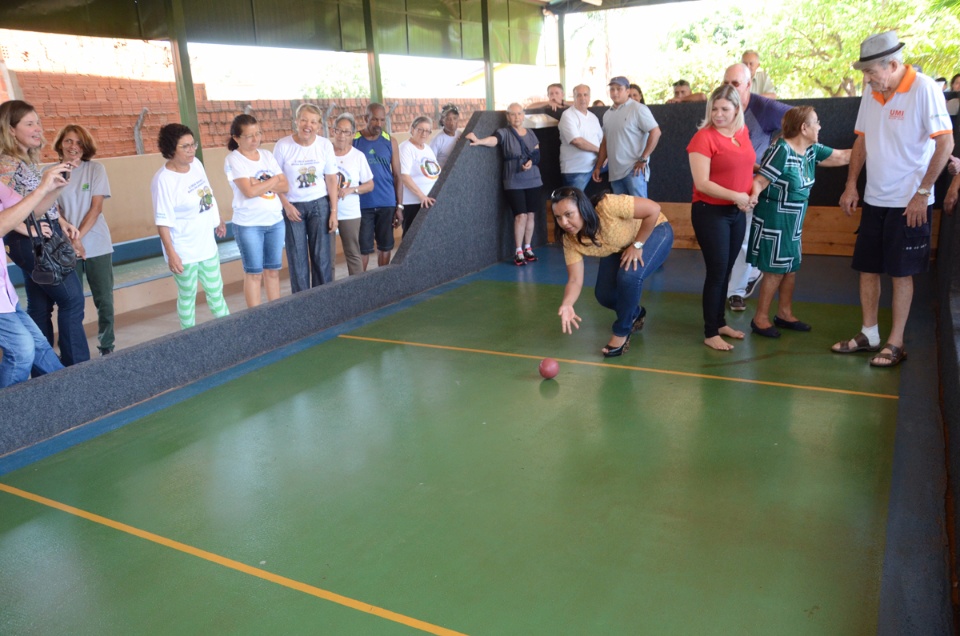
column 343, row 179
column 307, row 178
column 206, row 198
column 429, row 168
column 85, row 187
column 261, row 176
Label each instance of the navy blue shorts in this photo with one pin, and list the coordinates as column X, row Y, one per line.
column 885, row 245
column 376, row 223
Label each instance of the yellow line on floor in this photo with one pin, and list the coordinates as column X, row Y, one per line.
column 234, row 565
column 685, row 374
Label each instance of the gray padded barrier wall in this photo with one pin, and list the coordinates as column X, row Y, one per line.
column 464, row 232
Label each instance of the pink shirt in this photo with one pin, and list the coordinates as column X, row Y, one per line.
column 8, row 295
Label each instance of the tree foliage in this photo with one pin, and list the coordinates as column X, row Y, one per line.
column 810, row 46
column 807, row 46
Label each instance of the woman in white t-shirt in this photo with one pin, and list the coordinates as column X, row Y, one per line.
column 81, row 202
column 256, row 180
column 355, row 179
column 187, row 219
column 419, row 170
column 310, row 206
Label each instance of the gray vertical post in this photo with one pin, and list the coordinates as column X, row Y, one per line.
column 562, row 52
column 373, row 53
column 177, row 30
column 487, row 63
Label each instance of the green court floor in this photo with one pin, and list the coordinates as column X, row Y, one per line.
column 416, row 475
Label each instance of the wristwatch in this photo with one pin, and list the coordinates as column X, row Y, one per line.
column 923, row 192
column 399, row 206
column 638, row 245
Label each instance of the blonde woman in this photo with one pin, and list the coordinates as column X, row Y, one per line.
column 21, row 138
column 721, row 162
column 310, row 205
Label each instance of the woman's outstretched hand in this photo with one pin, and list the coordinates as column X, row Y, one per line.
column 569, row 320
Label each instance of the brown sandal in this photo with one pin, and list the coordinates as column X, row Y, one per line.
column 862, row 345
column 895, row 357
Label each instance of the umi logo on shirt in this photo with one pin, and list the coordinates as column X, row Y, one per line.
column 263, row 175
column 430, row 168
column 897, row 115
column 85, row 187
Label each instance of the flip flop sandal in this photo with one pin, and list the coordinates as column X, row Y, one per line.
column 895, row 357
column 862, row 345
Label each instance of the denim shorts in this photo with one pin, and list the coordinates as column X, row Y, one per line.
column 261, row 246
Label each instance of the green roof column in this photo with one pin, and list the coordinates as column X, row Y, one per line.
column 487, row 63
column 176, row 27
column 373, row 54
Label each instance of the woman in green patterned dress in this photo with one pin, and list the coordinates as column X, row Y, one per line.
column 781, row 189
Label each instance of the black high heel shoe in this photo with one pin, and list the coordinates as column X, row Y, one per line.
column 616, row 351
column 638, row 323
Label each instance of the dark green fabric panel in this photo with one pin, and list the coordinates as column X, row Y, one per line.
column 430, row 28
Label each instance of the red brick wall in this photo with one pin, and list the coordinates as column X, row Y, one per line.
column 109, row 108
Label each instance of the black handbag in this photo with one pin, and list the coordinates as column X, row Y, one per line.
column 53, row 257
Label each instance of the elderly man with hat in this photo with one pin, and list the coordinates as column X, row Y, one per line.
column 630, row 135
column 904, row 137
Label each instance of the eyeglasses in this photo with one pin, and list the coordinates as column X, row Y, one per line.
column 423, row 131
column 341, row 131
column 565, row 192
column 192, row 146
column 734, row 83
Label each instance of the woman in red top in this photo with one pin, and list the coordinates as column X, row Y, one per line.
column 721, row 162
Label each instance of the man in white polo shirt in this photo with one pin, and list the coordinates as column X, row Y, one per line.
column 904, row 136
column 630, row 135
column 580, row 137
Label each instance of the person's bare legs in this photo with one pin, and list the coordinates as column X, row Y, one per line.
column 870, row 302
column 528, row 228
column 768, row 287
column 251, row 289
column 519, row 227
column 902, row 299
column 785, row 303
column 365, row 259
column 271, row 281
column 383, row 258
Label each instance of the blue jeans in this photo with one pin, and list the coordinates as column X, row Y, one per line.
column 636, row 186
column 719, row 230
column 579, row 180
column 310, row 245
column 24, row 348
column 620, row 289
column 261, row 246
column 67, row 296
